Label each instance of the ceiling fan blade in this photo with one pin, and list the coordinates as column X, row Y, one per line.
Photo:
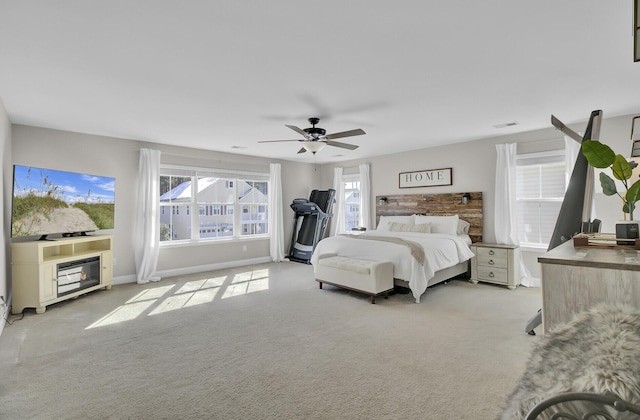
column 298, row 130
column 343, row 145
column 275, row 141
column 356, row 132
column 302, row 150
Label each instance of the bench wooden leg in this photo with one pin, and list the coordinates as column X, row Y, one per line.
column 320, row 284
column 373, row 299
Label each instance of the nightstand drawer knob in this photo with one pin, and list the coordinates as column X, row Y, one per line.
column 491, row 252
column 490, row 262
column 491, row 274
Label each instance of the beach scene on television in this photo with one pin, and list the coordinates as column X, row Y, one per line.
column 47, row 202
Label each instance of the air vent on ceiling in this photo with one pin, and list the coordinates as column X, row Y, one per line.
column 510, row 124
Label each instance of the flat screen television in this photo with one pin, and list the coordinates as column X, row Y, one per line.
column 47, row 202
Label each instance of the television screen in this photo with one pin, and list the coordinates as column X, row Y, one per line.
column 47, row 202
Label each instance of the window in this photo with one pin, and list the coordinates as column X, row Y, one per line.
column 215, row 195
column 253, row 207
column 351, row 203
column 540, row 188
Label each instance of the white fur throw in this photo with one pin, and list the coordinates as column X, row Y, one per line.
column 598, row 351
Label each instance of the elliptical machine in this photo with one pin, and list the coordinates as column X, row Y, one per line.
column 315, row 213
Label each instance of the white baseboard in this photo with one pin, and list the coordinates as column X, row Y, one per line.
column 195, row 269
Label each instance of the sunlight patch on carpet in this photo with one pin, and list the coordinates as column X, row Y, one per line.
column 247, row 282
column 122, row 313
column 160, row 299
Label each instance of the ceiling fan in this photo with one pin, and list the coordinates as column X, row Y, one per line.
column 315, row 138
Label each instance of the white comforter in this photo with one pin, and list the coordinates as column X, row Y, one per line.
column 441, row 251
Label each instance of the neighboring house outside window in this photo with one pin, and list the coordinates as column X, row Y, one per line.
column 253, row 207
column 540, row 188
column 216, row 196
column 351, row 201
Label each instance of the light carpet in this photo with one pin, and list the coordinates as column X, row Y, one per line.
column 264, row 342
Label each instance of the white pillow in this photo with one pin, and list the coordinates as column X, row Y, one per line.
column 383, row 224
column 406, row 227
column 463, row 227
column 440, row 224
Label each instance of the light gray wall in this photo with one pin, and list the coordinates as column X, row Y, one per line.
column 118, row 158
column 473, row 166
column 5, row 207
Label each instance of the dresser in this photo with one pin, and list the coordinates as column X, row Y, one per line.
column 574, row 279
column 494, row 263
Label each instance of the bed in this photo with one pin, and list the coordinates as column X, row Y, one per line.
column 440, row 226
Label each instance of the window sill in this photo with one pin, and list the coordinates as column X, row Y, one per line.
column 213, row 241
column 541, row 249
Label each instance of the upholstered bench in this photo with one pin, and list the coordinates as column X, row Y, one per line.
column 373, row 278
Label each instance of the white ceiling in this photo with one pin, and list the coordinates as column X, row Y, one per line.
column 219, row 74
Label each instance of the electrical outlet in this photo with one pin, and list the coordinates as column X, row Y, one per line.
column 244, row 248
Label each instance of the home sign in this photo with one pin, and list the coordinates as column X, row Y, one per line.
column 427, row 178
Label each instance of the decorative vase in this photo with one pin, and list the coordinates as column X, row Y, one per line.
column 627, row 229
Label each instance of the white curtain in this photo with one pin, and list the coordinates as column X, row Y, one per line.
column 147, row 230
column 337, row 221
column 506, row 225
column 365, row 196
column 276, row 245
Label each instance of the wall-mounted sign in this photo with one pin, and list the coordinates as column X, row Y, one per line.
column 428, row 178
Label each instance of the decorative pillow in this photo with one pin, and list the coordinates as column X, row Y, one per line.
column 383, row 224
column 405, row 227
column 463, row 227
column 440, row 224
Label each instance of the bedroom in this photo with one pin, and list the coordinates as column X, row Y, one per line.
column 470, row 174
column 472, row 162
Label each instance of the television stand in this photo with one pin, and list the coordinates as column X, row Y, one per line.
column 51, row 271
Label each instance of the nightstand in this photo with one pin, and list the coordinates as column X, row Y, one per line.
column 494, row 263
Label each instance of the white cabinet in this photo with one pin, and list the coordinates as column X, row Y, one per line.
column 493, row 263
column 50, row 271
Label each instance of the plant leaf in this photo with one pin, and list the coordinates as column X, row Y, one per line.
column 628, row 208
column 633, row 193
column 621, row 168
column 608, row 184
column 598, row 155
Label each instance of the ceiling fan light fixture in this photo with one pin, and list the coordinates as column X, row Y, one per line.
column 314, row 146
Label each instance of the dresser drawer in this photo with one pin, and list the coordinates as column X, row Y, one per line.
column 493, row 274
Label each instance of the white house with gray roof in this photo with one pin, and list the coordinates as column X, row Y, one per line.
column 216, row 207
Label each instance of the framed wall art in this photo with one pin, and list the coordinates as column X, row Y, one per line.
column 426, row 178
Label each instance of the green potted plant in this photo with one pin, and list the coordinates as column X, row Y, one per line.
column 601, row 156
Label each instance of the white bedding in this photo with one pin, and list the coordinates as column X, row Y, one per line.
column 441, row 251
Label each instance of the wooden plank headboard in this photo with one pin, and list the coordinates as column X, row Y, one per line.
column 445, row 204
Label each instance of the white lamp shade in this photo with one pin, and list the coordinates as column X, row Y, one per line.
column 314, row 146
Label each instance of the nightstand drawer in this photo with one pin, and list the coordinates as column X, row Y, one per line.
column 493, row 274
column 491, row 253
column 493, row 261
